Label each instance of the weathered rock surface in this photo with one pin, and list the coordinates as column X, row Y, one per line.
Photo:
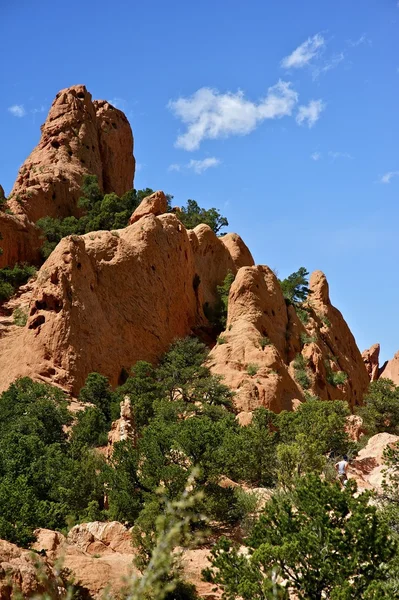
column 19, row 569
column 20, row 240
column 371, row 360
column 263, row 337
column 105, row 300
column 123, row 428
column 390, row 370
column 79, row 137
column 368, row 467
column 214, row 257
column 156, row 204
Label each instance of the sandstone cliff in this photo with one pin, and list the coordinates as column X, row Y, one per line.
column 104, row 300
column 258, row 352
column 20, row 240
column 79, row 137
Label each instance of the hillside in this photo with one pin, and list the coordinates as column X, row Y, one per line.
column 145, row 345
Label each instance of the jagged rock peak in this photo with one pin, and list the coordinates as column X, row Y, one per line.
column 371, row 360
column 80, row 136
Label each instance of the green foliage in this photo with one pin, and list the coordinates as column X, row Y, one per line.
column 221, row 339
column 300, row 370
column 295, row 286
column 193, row 215
column 90, row 428
column 381, row 407
column 103, row 212
column 12, row 278
column 20, row 317
column 320, row 538
column 252, row 369
column 218, row 315
column 303, row 314
column 308, row 339
column 308, row 435
column 336, row 378
column 264, row 341
column 97, row 391
column 43, row 483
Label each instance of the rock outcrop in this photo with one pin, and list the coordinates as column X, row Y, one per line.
column 19, row 574
column 105, row 300
column 258, row 353
column 390, row 370
column 20, row 240
column 368, row 469
column 79, row 137
column 156, row 204
column 371, row 360
column 123, row 428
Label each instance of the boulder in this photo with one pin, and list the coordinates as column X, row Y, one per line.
column 24, row 573
column 371, row 361
column 368, row 468
column 79, row 137
column 156, row 204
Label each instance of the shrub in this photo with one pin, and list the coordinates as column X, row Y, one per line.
column 252, row 369
column 12, row 278
column 303, row 315
column 20, row 317
column 300, row 371
column 308, row 339
column 193, row 215
column 221, row 339
column 264, row 341
column 336, row 378
column 381, row 407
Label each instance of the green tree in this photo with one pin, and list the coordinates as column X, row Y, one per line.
column 295, row 286
column 320, row 538
column 381, row 407
column 97, row 391
column 193, row 215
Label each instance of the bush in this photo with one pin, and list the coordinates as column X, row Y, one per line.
column 264, row 341
column 193, row 215
column 12, row 278
column 301, row 375
column 381, row 407
column 336, row 378
column 20, row 317
column 252, row 369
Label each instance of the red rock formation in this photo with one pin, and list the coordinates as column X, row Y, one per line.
column 371, row 360
column 107, row 299
column 79, row 137
column 19, row 574
column 20, row 240
column 156, row 204
column 390, row 370
column 123, row 428
column 263, row 336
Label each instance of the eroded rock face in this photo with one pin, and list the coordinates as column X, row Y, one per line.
column 19, row 570
column 105, row 300
column 20, row 240
column 264, row 337
column 390, row 370
column 371, row 360
column 79, row 137
column 369, row 468
column 123, row 428
column 156, row 204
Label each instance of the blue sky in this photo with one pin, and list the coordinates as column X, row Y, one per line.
column 283, row 114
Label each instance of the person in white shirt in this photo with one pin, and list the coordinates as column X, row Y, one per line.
column 341, row 468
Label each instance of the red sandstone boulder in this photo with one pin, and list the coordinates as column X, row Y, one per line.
column 20, row 240
column 390, row 370
column 156, row 204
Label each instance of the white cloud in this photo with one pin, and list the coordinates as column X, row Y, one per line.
column 362, row 40
column 386, row 178
column 35, row 111
column 17, row 110
column 119, row 103
column 211, row 115
column 332, row 63
column 199, row 166
column 335, row 155
column 174, row 167
column 304, row 53
column 316, row 156
column 310, row 113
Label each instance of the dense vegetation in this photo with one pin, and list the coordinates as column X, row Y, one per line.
column 12, row 278
column 110, row 212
